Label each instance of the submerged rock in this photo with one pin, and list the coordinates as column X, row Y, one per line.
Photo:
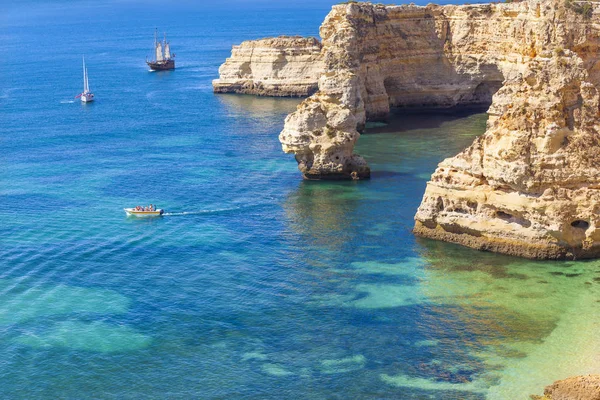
column 282, row 66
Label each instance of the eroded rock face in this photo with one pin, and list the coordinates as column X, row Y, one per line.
column 377, row 57
column 530, row 186
column 282, row 66
column 576, row 388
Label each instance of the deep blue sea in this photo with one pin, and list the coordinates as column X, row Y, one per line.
column 256, row 285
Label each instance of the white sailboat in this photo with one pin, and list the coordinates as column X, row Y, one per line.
column 87, row 96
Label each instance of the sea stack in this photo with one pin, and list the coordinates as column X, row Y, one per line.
column 377, row 57
column 530, row 186
column 281, row 66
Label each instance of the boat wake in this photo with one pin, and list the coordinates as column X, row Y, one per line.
column 67, row 101
column 199, row 212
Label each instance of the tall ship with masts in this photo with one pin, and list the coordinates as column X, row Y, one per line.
column 164, row 60
column 87, row 96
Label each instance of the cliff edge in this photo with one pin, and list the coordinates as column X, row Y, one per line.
column 282, row 66
column 530, row 186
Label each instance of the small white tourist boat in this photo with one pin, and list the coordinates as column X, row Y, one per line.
column 87, row 96
column 132, row 212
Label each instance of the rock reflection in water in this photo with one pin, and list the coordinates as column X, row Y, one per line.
column 257, row 107
column 320, row 212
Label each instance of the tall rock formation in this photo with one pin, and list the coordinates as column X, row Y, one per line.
column 531, row 185
column 377, row 57
column 282, row 66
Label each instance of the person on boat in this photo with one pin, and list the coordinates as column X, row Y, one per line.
column 138, row 208
column 151, row 207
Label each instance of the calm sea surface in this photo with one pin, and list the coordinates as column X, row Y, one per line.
column 256, row 285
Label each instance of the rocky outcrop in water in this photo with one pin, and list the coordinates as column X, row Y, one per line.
column 282, row 66
column 576, row 388
column 531, row 185
column 377, row 57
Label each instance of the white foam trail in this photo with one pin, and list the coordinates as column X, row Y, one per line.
column 6, row 93
column 199, row 212
column 67, row 101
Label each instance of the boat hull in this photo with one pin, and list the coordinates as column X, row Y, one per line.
column 132, row 212
column 87, row 98
column 161, row 65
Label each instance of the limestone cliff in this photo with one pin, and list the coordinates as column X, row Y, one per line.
column 531, row 185
column 377, row 57
column 282, row 66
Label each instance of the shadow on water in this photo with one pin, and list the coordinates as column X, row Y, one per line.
column 407, row 119
column 414, row 142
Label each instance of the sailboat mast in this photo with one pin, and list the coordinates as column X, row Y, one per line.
column 84, row 76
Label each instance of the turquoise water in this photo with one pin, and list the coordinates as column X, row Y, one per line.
column 257, row 285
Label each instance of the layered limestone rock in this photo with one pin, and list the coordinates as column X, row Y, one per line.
column 377, row 57
column 531, row 185
column 282, row 66
column 576, row 388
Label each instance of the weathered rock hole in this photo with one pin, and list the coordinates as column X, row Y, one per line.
column 439, row 205
column 513, row 219
column 503, row 215
column 580, row 224
column 485, row 90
